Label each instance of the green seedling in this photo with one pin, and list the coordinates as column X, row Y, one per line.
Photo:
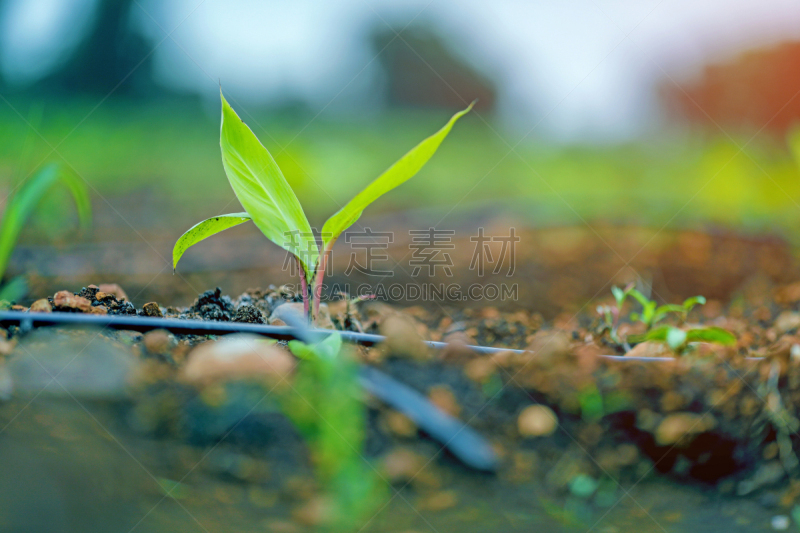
column 325, row 405
column 679, row 340
column 652, row 313
column 19, row 208
column 272, row 205
column 611, row 314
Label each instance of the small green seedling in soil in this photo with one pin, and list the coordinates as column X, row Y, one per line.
column 611, row 314
column 271, row 203
column 325, row 405
column 652, row 314
column 679, row 340
column 19, row 208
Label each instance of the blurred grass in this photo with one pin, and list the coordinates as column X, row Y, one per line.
column 172, row 150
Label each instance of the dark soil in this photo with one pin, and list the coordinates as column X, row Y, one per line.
column 708, row 439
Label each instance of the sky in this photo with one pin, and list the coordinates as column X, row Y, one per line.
column 571, row 70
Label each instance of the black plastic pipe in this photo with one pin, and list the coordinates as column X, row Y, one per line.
column 27, row 321
column 462, row 441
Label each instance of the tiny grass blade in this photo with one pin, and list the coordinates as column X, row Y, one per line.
column 13, row 290
column 27, row 197
column 263, row 191
column 404, row 169
column 203, row 230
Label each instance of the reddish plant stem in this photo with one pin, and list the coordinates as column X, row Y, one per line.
column 303, row 286
column 323, row 263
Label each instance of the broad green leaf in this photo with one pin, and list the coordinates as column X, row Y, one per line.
column 302, row 350
column 331, row 345
column 655, row 334
column 203, row 230
column 263, row 191
column 713, row 334
column 25, row 200
column 397, row 174
column 327, row 348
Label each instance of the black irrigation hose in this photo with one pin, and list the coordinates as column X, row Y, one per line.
column 27, row 321
column 463, row 442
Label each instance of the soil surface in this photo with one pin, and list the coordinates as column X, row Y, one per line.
column 159, row 432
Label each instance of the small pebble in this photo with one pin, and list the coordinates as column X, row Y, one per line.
column 152, row 309
column 400, row 424
column 439, row 501
column 537, row 421
column 677, row 426
column 780, row 522
column 401, row 465
column 249, row 314
column 787, row 321
column 158, row 341
column 442, row 397
column 238, row 356
column 68, row 300
column 480, row 369
column 114, row 289
column 315, row 512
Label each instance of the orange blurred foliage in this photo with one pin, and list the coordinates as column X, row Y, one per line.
column 759, row 89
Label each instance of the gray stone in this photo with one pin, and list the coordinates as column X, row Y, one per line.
column 84, row 365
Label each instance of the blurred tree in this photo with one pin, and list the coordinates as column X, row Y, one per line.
column 111, row 51
column 421, row 70
column 759, row 89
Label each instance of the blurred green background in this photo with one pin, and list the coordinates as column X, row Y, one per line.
column 571, row 128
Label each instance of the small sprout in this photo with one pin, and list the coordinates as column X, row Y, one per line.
column 271, row 204
column 325, row 405
column 648, row 314
column 20, row 206
column 652, row 314
column 610, row 315
column 620, row 295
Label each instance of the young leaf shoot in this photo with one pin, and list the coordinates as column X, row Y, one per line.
column 272, row 205
column 20, row 207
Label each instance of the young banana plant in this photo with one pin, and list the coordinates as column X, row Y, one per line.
column 273, row 207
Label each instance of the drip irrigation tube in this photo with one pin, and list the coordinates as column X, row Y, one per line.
column 462, row 441
column 27, row 321
column 458, row 438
